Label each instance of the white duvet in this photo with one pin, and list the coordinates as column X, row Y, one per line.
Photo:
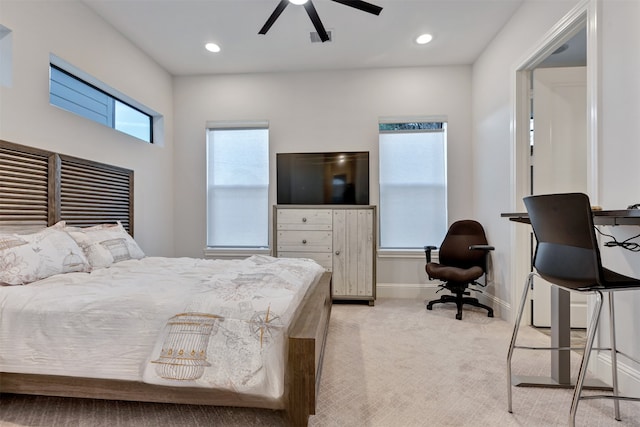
column 173, row 321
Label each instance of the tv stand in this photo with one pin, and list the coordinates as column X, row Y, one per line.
column 340, row 238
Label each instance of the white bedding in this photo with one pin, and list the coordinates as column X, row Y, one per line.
column 115, row 322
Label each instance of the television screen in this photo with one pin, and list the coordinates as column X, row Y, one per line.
column 340, row 178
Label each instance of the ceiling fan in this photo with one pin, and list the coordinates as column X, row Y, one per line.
column 313, row 15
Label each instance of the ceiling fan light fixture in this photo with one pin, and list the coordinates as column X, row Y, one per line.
column 424, row 38
column 313, row 14
column 212, row 47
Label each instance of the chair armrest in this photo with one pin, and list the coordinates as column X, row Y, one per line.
column 427, row 252
column 486, row 249
column 481, row 247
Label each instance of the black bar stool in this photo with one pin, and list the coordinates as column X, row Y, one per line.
column 567, row 256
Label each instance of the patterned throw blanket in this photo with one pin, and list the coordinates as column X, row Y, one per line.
column 232, row 333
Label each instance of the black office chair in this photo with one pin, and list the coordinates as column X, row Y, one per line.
column 567, row 256
column 462, row 261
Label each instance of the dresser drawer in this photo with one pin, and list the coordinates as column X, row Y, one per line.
column 304, row 219
column 305, row 240
column 322, row 258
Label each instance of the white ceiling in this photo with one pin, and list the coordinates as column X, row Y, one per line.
column 173, row 33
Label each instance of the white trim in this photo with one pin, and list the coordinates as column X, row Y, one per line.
column 429, row 291
column 157, row 137
column 593, row 96
column 499, row 306
column 86, row 77
column 412, row 119
column 233, row 253
column 235, row 124
column 584, row 13
column 405, row 254
column 561, row 32
column 628, row 377
column 407, row 290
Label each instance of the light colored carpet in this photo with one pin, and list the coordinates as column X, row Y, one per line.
column 394, row 364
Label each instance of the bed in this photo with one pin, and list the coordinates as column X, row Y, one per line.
column 44, row 193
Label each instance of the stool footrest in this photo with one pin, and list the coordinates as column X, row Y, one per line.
column 548, row 382
column 610, row 397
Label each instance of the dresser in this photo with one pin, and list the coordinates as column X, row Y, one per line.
column 341, row 239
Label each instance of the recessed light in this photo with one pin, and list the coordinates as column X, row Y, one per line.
column 212, row 47
column 424, row 38
column 298, row 2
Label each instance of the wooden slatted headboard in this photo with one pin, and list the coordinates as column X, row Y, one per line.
column 39, row 188
column 24, row 187
column 93, row 193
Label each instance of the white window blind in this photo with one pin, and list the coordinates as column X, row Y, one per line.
column 238, row 187
column 413, row 184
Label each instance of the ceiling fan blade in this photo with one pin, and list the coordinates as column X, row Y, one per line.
column 276, row 13
column 311, row 11
column 361, row 5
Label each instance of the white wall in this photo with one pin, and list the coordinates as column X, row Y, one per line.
column 493, row 85
column 74, row 33
column 618, row 177
column 317, row 111
column 619, row 152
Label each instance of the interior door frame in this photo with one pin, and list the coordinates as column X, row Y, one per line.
column 584, row 14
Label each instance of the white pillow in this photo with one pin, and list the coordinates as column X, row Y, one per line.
column 25, row 258
column 106, row 244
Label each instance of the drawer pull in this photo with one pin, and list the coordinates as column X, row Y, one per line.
column 304, row 241
column 337, row 252
column 304, row 219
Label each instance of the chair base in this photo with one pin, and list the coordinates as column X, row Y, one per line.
column 460, row 300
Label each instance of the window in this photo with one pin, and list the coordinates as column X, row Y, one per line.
column 68, row 91
column 413, row 184
column 6, row 56
column 238, row 186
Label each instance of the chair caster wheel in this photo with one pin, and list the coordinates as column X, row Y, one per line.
column 490, row 314
column 459, row 316
column 429, row 307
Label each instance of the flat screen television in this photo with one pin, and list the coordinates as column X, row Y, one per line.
column 338, row 178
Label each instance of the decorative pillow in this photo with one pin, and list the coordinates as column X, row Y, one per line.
column 6, row 230
column 106, row 244
column 25, row 258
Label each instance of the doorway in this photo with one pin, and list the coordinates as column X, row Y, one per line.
column 559, row 150
column 564, row 49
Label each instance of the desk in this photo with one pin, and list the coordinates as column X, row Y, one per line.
column 561, row 308
column 600, row 217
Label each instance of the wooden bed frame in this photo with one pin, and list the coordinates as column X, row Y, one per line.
column 39, row 188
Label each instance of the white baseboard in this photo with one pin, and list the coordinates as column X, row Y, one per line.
column 427, row 291
column 410, row 291
column 628, row 377
column 501, row 308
